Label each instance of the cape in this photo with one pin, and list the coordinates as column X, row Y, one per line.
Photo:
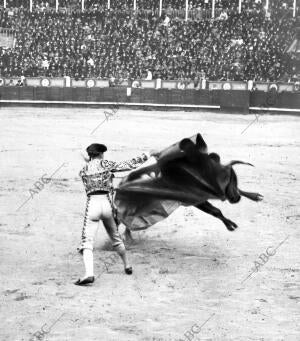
column 182, row 174
column 150, row 194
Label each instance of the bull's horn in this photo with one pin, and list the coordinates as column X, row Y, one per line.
column 237, row 162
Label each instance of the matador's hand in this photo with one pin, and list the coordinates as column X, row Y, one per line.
column 154, row 153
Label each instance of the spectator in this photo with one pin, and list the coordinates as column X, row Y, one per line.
column 166, row 20
column 149, row 75
column 223, row 15
column 120, row 44
column 112, row 81
column 136, row 84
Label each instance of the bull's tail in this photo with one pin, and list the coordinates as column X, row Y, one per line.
column 251, row 195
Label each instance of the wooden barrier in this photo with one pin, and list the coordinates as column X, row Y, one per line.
column 235, row 100
column 228, row 100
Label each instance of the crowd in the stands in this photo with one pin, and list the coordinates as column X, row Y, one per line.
column 120, row 44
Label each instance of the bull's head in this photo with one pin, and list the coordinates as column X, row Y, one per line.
column 221, row 180
column 233, row 193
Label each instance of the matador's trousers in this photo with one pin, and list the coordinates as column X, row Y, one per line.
column 99, row 208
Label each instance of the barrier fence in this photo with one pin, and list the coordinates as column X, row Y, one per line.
column 202, row 84
column 226, row 100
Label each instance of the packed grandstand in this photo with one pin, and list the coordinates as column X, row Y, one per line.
column 122, row 43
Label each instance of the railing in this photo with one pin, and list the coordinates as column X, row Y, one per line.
column 7, row 37
column 239, row 99
column 193, row 13
column 7, row 31
column 97, row 83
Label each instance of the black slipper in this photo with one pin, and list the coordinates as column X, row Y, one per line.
column 128, row 271
column 85, row 281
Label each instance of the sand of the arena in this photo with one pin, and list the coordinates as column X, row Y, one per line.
column 188, row 269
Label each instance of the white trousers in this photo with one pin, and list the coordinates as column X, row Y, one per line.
column 99, row 208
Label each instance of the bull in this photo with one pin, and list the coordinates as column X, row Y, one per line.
column 183, row 174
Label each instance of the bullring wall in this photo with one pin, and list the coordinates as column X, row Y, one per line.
column 227, row 100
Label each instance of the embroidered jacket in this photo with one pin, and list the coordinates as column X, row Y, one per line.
column 97, row 174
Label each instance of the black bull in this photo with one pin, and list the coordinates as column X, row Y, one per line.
column 184, row 174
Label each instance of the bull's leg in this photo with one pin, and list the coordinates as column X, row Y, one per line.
column 212, row 210
column 128, row 235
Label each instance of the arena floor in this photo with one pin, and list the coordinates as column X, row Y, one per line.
column 190, row 274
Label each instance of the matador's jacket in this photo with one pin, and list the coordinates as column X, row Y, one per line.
column 97, row 174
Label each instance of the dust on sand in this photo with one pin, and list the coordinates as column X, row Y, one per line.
column 188, row 269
